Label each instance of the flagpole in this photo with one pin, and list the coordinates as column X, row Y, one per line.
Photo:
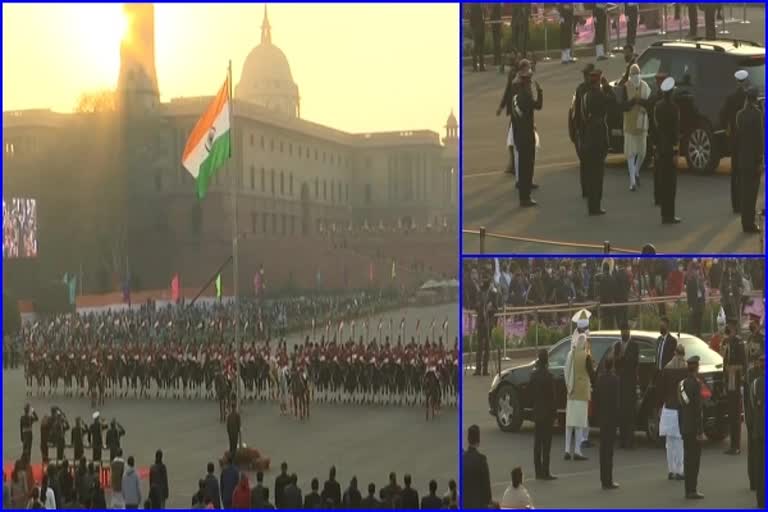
column 235, row 259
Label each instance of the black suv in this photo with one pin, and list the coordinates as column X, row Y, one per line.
column 511, row 402
column 703, row 71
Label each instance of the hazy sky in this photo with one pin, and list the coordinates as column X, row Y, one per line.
column 359, row 68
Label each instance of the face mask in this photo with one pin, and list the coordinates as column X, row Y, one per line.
column 635, row 79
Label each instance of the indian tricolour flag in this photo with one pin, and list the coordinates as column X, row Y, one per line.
column 209, row 146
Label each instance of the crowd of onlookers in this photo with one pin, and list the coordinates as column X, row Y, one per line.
column 63, row 488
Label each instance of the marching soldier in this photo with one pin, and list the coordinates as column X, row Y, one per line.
column 749, row 147
column 25, row 426
column 594, row 110
column 599, row 16
column 691, row 428
column 496, row 31
column 477, row 22
column 523, row 106
column 576, row 125
column 566, row 32
column 733, row 104
column 667, row 118
column 734, row 363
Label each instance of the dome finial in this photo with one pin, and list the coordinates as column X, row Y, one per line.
column 266, row 30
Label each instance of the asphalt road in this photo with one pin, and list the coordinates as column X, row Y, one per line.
column 490, row 199
column 642, row 473
column 362, row 441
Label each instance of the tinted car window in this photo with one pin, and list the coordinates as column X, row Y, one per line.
column 650, row 63
column 647, row 350
column 696, row 347
column 756, row 69
column 599, row 348
column 558, row 354
column 683, row 68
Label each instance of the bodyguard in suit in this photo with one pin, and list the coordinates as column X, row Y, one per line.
column 576, row 127
column 691, row 428
column 749, row 147
column 734, row 366
column 734, row 102
column 597, row 102
column 544, row 414
column 607, row 399
column 627, row 356
column 666, row 116
column 665, row 345
column 477, row 480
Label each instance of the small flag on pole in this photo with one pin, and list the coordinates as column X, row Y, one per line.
column 394, row 270
column 218, row 286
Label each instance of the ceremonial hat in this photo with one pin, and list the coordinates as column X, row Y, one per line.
column 721, row 317
column 588, row 68
column 96, row 415
column 668, row 84
column 693, row 360
column 741, row 75
column 581, row 318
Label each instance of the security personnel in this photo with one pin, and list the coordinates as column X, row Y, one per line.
column 691, row 427
column 486, row 320
column 607, row 401
column 514, row 82
column 596, row 103
column 25, row 427
column 544, row 414
column 96, row 437
column 627, row 356
column 755, row 350
column 599, row 15
column 496, row 31
column 477, row 23
column 576, row 125
column 631, row 10
column 757, row 392
column 523, row 124
column 666, row 116
column 60, row 426
column 115, row 432
column 749, row 147
column 650, row 104
column 734, row 364
column 731, row 107
column 566, row 32
column 78, row 432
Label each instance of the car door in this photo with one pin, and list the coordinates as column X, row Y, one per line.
column 646, row 371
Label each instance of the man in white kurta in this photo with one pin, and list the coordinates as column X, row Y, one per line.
column 636, row 91
column 579, row 391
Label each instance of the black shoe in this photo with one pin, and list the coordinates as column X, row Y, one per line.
column 751, row 229
column 670, row 476
column 598, row 212
column 528, row 203
column 673, row 220
column 534, row 186
column 549, row 477
column 633, row 188
column 680, row 478
column 694, row 496
column 567, row 456
column 579, row 457
column 611, row 486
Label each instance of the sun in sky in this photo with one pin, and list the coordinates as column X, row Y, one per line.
column 359, row 67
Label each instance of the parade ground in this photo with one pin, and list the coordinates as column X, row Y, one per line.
column 363, row 441
column 642, row 472
column 491, row 201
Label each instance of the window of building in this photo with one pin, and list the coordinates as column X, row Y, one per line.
column 315, row 154
column 272, row 180
column 338, row 191
column 293, row 225
column 323, row 156
column 306, row 154
column 254, row 222
column 346, row 192
column 284, row 223
column 262, row 142
column 271, row 144
column 264, row 223
column 317, row 188
column 331, row 158
column 290, row 149
column 298, row 152
column 368, row 194
column 253, row 178
column 281, row 146
column 290, row 185
column 325, row 190
column 263, row 180
column 252, row 137
column 274, row 223
column 282, row 183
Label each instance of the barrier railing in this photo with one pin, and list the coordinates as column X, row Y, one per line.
column 597, row 308
column 605, row 248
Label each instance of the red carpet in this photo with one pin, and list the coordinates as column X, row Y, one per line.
column 37, row 471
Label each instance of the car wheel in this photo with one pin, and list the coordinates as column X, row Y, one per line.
column 700, row 151
column 509, row 416
column 715, row 434
column 652, row 420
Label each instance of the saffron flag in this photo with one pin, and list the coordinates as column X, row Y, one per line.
column 209, row 145
column 175, row 288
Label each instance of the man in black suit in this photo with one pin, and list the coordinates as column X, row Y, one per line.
column 370, row 501
column 750, row 140
column 281, row 482
column 544, row 412
column 431, row 501
column 313, row 500
column 257, row 492
column 477, row 480
column 292, row 494
column 665, row 345
column 391, row 493
column 409, row 498
column 607, row 391
column 691, row 428
column 332, row 489
column 695, row 291
column 734, row 364
column 627, row 356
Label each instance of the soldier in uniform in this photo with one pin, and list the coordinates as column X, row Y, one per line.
column 486, row 309
column 25, row 426
column 691, row 427
column 757, row 430
column 566, row 32
column 496, row 31
column 631, row 10
column 544, row 413
column 523, row 106
column 59, row 428
column 514, row 82
column 477, row 23
column 749, row 147
column 233, row 430
column 78, row 432
column 595, row 107
column 734, row 364
column 576, row 126
column 666, row 116
column 599, row 17
column 115, row 432
column 731, row 107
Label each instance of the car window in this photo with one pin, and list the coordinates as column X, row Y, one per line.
column 558, row 354
column 599, row 348
column 756, row 69
column 683, row 68
column 697, row 347
column 650, row 64
column 647, row 350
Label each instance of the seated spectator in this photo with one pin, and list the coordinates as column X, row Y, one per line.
column 516, row 496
